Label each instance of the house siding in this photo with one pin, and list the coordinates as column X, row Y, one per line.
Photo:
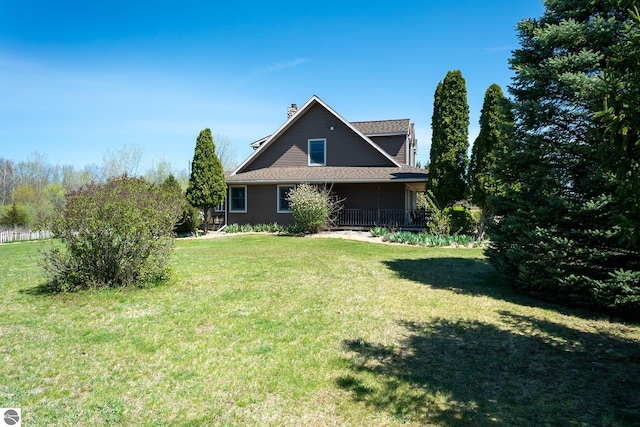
column 262, row 207
column 343, row 147
column 262, row 202
column 395, row 145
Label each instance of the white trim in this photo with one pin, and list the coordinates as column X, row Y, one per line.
column 246, row 202
column 278, row 210
column 324, row 151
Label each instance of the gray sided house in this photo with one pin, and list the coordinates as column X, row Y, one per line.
column 371, row 165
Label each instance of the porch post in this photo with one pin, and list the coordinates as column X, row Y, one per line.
column 378, row 210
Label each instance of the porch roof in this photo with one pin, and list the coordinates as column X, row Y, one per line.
column 322, row 174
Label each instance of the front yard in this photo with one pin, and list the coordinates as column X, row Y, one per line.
column 288, row 331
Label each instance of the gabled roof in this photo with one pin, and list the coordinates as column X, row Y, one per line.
column 259, row 142
column 264, row 144
column 383, row 127
column 368, row 128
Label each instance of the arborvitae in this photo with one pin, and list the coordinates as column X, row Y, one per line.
column 496, row 128
column 556, row 237
column 449, row 140
column 207, row 185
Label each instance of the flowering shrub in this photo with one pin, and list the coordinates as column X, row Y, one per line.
column 312, row 208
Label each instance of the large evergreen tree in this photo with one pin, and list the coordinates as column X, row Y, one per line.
column 449, row 140
column 556, row 238
column 621, row 114
column 207, row 185
column 496, row 128
column 15, row 216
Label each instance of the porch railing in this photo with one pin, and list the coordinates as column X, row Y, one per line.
column 382, row 218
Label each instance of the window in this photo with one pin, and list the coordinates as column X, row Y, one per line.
column 238, row 197
column 317, row 152
column 283, row 203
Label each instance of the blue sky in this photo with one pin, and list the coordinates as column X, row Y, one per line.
column 81, row 79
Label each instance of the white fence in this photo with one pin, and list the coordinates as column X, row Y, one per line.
column 16, row 235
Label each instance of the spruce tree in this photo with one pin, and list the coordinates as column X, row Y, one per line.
column 496, row 128
column 621, row 115
column 15, row 216
column 449, row 140
column 207, row 185
column 556, row 238
column 172, row 186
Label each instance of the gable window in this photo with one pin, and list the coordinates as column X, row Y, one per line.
column 317, row 152
column 283, row 203
column 238, row 199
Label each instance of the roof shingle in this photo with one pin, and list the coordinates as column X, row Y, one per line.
column 330, row 174
column 383, row 127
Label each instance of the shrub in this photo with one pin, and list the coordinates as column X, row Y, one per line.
column 115, row 234
column 189, row 220
column 462, row 220
column 440, row 223
column 312, row 208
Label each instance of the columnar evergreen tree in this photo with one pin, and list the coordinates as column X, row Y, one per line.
column 556, row 238
column 207, row 184
column 496, row 128
column 449, row 140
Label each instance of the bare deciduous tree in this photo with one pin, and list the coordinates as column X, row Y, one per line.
column 125, row 161
column 7, row 180
column 225, row 151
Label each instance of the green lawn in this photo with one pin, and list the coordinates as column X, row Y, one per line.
column 287, row 331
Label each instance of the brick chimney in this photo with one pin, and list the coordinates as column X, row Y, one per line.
column 291, row 111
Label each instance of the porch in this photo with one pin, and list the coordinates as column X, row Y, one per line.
column 393, row 218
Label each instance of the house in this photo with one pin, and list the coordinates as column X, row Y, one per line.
column 370, row 165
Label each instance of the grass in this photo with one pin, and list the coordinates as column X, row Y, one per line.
column 288, row 331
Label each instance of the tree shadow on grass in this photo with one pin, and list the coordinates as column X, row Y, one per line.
column 521, row 371
column 461, row 275
column 471, row 277
column 43, row 289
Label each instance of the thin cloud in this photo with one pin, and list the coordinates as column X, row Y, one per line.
column 275, row 68
column 284, row 65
